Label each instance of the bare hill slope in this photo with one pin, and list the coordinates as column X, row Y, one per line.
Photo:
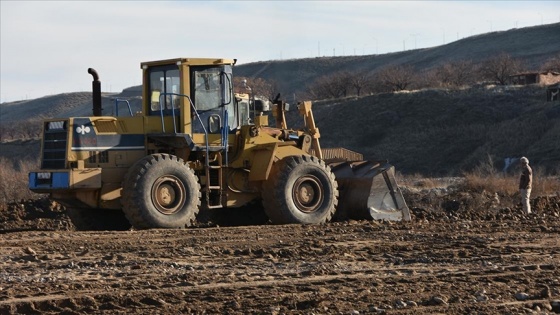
column 533, row 45
column 429, row 132
column 442, row 132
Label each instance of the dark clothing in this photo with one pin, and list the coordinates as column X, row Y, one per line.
column 526, row 178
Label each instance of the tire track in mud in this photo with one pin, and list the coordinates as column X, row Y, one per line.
column 360, row 266
column 383, row 275
column 245, row 289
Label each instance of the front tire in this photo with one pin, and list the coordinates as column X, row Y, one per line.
column 161, row 191
column 301, row 189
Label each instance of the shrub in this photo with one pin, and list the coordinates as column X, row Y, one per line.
column 508, row 185
column 14, row 183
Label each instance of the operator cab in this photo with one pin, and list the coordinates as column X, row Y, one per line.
column 197, row 93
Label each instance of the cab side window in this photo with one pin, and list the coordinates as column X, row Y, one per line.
column 164, row 85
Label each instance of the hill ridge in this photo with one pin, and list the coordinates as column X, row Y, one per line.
column 406, row 128
column 532, row 45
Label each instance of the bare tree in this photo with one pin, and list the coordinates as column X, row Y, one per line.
column 396, row 77
column 500, row 68
column 331, row 86
column 427, row 79
column 30, row 129
column 359, row 81
column 344, row 81
column 443, row 75
column 552, row 64
column 258, row 86
column 454, row 74
column 465, row 72
column 324, row 87
column 10, row 131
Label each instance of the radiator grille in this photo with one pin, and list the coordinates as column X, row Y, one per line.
column 55, row 138
column 105, row 126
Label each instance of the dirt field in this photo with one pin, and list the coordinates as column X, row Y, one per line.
column 452, row 259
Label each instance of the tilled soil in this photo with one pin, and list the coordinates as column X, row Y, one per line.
column 450, row 259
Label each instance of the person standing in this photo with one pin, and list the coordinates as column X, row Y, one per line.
column 525, row 184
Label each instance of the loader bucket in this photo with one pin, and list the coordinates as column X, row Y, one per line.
column 368, row 190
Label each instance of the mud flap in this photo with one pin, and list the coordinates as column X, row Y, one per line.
column 368, row 190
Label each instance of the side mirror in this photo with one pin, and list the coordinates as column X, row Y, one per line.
column 225, row 81
column 262, row 105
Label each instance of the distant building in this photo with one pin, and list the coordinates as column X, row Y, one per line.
column 553, row 92
column 543, row 78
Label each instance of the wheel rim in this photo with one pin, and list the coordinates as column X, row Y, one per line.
column 308, row 193
column 168, row 194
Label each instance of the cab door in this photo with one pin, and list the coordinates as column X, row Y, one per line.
column 213, row 100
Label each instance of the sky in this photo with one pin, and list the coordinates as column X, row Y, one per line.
column 46, row 47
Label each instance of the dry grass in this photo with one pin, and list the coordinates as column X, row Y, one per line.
column 485, row 179
column 14, row 180
column 418, row 181
column 508, row 185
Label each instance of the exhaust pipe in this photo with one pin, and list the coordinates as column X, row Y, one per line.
column 96, row 93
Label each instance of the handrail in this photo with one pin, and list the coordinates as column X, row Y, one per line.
column 117, row 101
column 225, row 128
column 225, row 133
column 207, row 160
column 172, row 110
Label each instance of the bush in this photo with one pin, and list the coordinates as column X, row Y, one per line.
column 14, row 183
column 486, row 178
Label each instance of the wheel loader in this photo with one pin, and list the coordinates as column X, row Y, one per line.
column 196, row 145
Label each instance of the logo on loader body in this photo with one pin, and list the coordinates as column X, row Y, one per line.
column 83, row 129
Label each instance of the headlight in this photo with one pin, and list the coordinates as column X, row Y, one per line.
column 43, row 175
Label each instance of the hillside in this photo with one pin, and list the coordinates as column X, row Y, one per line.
column 431, row 132
column 65, row 105
column 443, row 132
column 532, row 45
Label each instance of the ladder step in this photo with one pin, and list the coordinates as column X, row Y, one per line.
column 214, row 188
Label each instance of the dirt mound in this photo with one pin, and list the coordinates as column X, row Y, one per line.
column 429, row 205
column 463, row 253
column 34, row 215
column 435, row 205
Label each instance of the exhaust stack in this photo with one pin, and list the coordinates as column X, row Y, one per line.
column 96, row 93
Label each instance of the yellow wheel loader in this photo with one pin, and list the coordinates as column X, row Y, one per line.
column 197, row 145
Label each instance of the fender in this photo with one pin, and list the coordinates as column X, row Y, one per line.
column 266, row 155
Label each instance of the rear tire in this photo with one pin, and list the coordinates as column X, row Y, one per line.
column 88, row 219
column 300, row 189
column 161, row 191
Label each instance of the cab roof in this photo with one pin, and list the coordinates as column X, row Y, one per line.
column 190, row 61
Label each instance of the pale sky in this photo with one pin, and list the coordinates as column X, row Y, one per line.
column 46, row 47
